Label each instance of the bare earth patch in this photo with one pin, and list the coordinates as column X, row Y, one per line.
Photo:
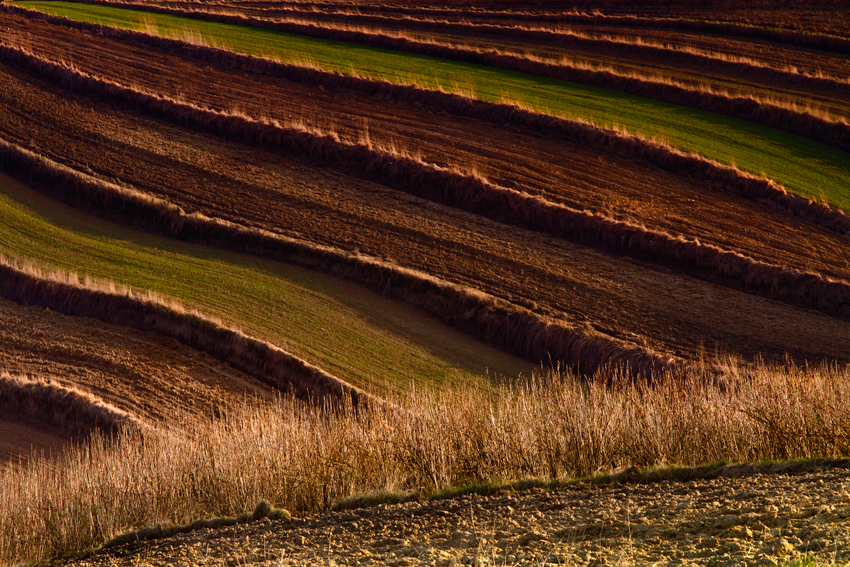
column 763, row 519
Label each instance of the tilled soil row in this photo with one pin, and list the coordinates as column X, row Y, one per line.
column 720, row 56
column 563, row 173
column 472, row 194
column 833, row 133
column 633, row 303
column 707, row 21
column 146, row 375
column 758, row 519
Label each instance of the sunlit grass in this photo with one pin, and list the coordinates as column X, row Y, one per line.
column 345, row 329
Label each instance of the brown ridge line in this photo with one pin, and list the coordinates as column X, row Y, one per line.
column 256, row 358
column 803, row 289
column 835, row 134
column 72, row 411
column 822, row 42
column 578, row 132
column 541, row 35
column 507, row 326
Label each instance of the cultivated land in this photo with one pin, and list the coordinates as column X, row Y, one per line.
column 307, row 252
column 796, row 163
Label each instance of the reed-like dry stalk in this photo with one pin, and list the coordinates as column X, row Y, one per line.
column 305, row 458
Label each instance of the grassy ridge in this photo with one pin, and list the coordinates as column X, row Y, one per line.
column 805, row 167
column 340, row 327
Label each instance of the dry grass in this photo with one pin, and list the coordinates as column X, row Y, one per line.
column 304, row 458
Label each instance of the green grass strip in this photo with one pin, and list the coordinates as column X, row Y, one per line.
column 341, row 327
column 801, row 165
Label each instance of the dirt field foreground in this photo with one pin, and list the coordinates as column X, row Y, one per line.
column 756, row 519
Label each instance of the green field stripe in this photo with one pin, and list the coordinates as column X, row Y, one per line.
column 801, row 165
column 341, row 327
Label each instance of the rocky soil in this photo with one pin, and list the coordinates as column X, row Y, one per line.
column 758, row 519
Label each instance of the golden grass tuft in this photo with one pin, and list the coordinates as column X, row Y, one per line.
column 301, row 457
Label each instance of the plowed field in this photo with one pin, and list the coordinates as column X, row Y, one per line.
column 631, row 301
column 348, row 245
column 148, row 376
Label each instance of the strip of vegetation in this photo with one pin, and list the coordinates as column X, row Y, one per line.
column 438, row 184
column 146, row 312
column 309, row 22
column 305, row 459
column 351, row 332
column 807, row 167
column 506, row 326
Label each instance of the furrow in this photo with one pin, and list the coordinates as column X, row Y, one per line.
column 475, row 195
column 498, row 322
column 580, row 133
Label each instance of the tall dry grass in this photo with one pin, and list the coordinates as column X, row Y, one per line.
column 304, row 458
column 506, row 113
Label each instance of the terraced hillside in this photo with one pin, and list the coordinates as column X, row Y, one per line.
column 204, row 203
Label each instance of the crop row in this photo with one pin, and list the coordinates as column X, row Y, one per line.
column 836, row 134
column 471, row 193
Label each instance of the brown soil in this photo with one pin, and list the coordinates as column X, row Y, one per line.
column 770, row 53
column 559, row 171
column 756, row 520
column 631, row 301
column 21, row 439
column 150, row 377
